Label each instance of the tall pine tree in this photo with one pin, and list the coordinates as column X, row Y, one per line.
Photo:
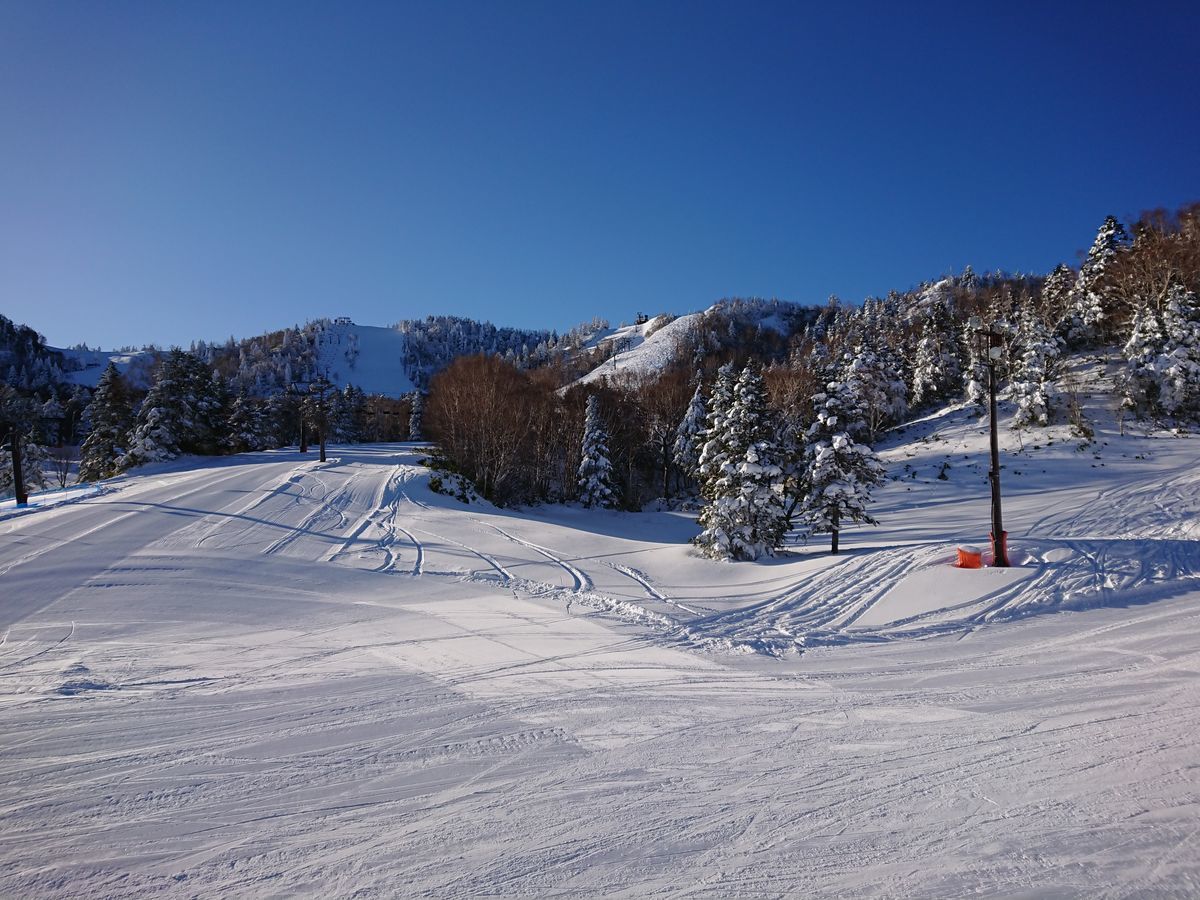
column 1087, row 322
column 595, row 471
column 1034, row 369
column 841, row 472
column 688, row 435
column 713, row 450
column 414, row 417
column 111, row 419
column 745, row 517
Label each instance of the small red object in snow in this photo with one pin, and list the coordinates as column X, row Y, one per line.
column 969, row 558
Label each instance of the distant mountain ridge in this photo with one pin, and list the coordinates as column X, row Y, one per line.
column 397, row 360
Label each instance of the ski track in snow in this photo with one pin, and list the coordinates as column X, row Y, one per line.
column 223, row 697
column 581, row 581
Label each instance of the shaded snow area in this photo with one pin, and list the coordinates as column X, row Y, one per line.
column 366, row 356
column 42, row 499
column 266, row 676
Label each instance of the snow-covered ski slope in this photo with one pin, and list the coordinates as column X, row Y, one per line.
column 367, row 356
column 93, row 362
column 641, row 350
column 645, row 350
column 262, row 675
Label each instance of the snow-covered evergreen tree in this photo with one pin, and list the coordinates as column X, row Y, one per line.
column 1056, row 295
column 1140, row 381
column 688, row 435
column 595, row 470
column 1162, row 375
column 713, row 451
column 1179, row 393
column 874, row 378
column 111, row 419
column 1086, row 322
column 346, row 417
column 211, row 400
column 926, row 372
column 165, row 419
column 1034, row 369
column 414, row 417
column 975, row 373
column 76, row 423
column 51, row 419
column 841, row 472
column 745, row 518
column 937, row 366
column 245, row 426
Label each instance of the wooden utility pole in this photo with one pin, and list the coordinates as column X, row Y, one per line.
column 18, row 470
column 14, row 414
column 991, row 343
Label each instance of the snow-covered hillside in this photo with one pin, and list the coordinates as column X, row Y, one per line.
column 645, row 350
column 641, row 350
column 90, row 364
column 366, row 356
column 261, row 674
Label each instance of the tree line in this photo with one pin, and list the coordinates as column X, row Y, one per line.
column 772, row 434
column 825, row 384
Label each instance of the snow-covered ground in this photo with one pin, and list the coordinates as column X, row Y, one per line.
column 51, row 497
column 265, row 676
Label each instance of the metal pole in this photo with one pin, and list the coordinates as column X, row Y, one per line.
column 999, row 548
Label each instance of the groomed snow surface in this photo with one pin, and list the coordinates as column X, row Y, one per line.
column 266, row 676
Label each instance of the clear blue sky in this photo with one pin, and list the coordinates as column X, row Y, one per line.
column 172, row 171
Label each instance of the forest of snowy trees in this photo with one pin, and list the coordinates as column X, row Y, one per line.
column 770, row 434
column 765, row 418
column 232, row 397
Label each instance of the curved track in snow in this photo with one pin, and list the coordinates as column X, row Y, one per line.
column 213, row 683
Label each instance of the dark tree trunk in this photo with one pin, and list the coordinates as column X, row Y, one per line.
column 18, row 472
